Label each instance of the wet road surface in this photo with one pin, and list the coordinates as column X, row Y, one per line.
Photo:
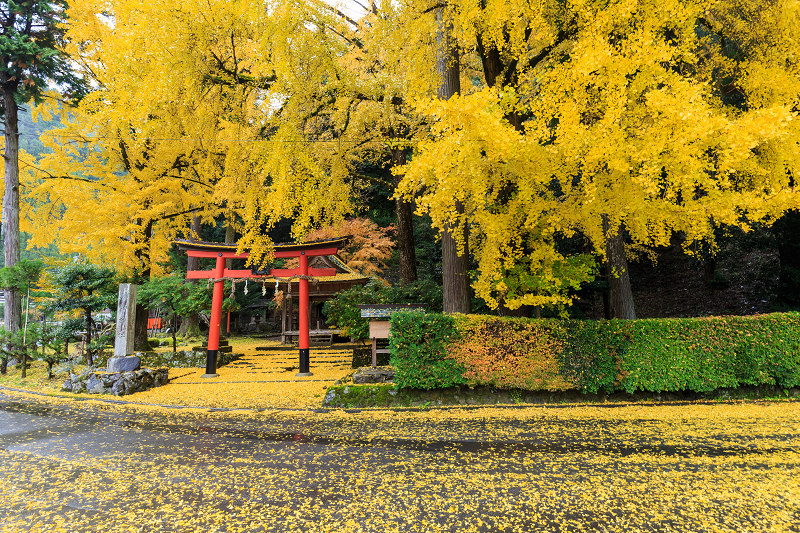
column 83, row 466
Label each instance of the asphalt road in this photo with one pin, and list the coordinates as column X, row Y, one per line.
column 82, row 466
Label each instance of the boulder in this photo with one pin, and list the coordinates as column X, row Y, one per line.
column 373, row 375
column 95, row 385
column 121, row 387
column 117, row 383
column 123, row 364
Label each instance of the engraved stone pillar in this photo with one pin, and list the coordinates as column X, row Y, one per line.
column 126, row 320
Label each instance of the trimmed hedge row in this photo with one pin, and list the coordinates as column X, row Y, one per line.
column 682, row 354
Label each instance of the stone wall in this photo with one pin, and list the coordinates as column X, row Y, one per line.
column 180, row 359
column 117, row 383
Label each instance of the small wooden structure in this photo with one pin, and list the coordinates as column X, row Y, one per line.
column 321, row 290
column 379, row 315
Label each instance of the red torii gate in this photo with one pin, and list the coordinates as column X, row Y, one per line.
column 222, row 252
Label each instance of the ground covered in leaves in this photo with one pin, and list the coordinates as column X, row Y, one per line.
column 265, row 377
column 78, row 465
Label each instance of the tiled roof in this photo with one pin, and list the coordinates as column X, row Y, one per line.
column 221, row 246
column 387, row 310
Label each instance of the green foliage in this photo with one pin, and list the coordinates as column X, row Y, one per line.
column 30, row 44
column 86, row 288
column 710, row 353
column 343, row 312
column 418, row 346
column 53, row 346
column 69, row 328
column 655, row 355
column 21, row 276
column 15, row 344
column 175, row 297
column 591, row 352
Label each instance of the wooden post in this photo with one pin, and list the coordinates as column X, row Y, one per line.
column 283, row 316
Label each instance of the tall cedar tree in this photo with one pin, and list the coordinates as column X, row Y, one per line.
column 30, row 58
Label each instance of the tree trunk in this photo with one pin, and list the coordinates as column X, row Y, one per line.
column 140, row 342
column 619, row 281
column 787, row 230
column 190, row 326
column 455, row 279
column 709, row 269
column 89, row 358
column 230, row 238
column 606, row 299
column 13, row 300
column 174, row 338
column 404, row 211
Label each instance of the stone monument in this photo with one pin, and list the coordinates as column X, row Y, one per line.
column 123, row 342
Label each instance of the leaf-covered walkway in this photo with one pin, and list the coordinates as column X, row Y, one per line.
column 260, row 379
column 85, row 466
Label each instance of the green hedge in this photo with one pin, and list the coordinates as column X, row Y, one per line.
column 419, row 353
column 686, row 354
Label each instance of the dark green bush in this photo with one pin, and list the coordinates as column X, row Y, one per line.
column 418, row 347
column 592, row 353
column 343, row 311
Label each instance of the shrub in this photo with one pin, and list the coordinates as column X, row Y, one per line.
column 687, row 354
column 418, row 347
column 592, row 353
column 510, row 353
column 343, row 311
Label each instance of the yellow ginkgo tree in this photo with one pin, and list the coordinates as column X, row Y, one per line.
column 609, row 121
column 175, row 90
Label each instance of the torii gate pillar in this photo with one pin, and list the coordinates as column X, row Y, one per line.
column 216, row 317
column 303, row 340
